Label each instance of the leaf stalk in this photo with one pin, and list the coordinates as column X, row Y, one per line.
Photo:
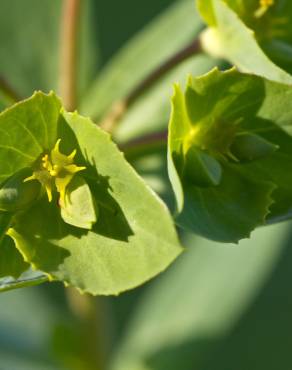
column 119, row 107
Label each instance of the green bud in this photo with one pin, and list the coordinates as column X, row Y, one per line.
column 249, row 147
column 16, row 194
column 201, row 169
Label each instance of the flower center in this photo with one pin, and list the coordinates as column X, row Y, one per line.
column 55, row 170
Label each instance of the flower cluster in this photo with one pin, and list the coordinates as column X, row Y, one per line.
column 55, row 170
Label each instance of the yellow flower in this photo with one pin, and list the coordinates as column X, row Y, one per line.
column 55, row 170
column 264, row 5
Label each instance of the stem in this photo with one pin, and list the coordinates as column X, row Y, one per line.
column 89, row 314
column 118, row 108
column 93, row 327
column 68, row 61
column 8, row 90
column 144, row 144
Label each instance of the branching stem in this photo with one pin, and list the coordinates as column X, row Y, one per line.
column 143, row 144
column 118, row 108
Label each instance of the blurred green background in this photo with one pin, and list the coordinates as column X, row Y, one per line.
column 218, row 307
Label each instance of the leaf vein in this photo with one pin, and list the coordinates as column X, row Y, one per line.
column 17, row 151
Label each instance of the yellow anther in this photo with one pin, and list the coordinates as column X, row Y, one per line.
column 45, row 158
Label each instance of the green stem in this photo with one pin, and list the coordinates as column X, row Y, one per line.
column 88, row 311
column 119, row 108
column 144, row 144
column 93, row 328
column 69, row 48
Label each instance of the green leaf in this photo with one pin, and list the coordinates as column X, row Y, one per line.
column 271, row 26
column 206, row 10
column 173, row 328
column 239, row 122
column 3, row 105
column 149, row 113
column 178, row 128
column 250, row 147
column 14, row 271
column 12, row 264
column 78, row 208
column 28, row 278
column 201, row 169
column 230, row 38
column 5, row 100
column 227, row 212
column 38, row 68
column 136, row 60
column 38, row 30
column 16, row 194
column 27, row 129
column 11, row 261
column 5, row 221
column 126, row 246
column 141, row 55
column 25, row 337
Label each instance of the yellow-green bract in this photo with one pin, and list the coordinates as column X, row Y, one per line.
column 229, row 158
